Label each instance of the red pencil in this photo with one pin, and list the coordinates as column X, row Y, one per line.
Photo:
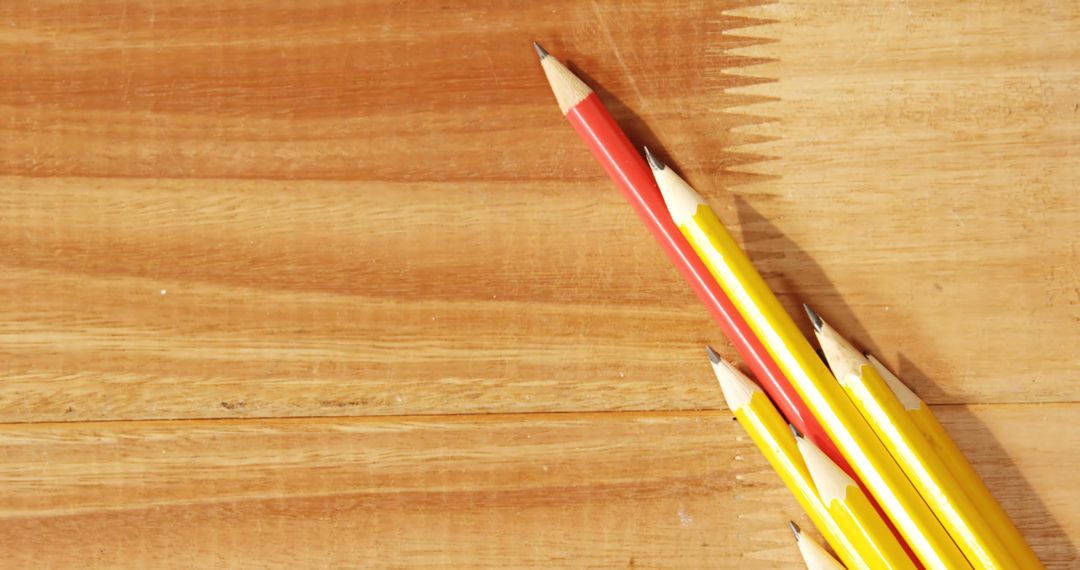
column 627, row 168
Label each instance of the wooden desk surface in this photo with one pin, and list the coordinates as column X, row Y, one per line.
column 328, row 283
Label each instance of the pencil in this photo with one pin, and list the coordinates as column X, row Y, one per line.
column 771, row 435
column 958, row 465
column 620, row 159
column 808, row 374
column 912, row 451
column 851, row 509
column 813, row 554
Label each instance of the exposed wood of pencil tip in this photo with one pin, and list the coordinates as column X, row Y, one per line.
column 831, row 482
column 568, row 88
column 842, row 357
column 815, row 556
column 736, row 387
column 908, row 398
column 681, row 199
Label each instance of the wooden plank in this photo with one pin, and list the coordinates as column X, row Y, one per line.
column 266, row 209
column 923, row 186
column 584, row 490
column 344, row 325
column 235, row 211
column 281, row 209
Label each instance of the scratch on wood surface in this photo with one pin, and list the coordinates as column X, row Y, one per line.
column 627, row 70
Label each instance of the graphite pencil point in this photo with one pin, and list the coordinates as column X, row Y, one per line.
column 654, row 163
column 540, row 51
column 713, row 356
column 814, row 318
column 794, row 529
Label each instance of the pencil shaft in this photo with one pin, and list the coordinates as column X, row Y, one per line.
column 621, row 161
column 943, row 492
column 852, row 511
column 773, row 437
column 820, row 390
column 976, row 489
column 857, row 518
column 958, row 465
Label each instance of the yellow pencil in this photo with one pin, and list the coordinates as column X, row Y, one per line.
column 954, row 459
column 813, row 554
column 909, row 447
column 850, row 508
column 819, row 390
column 770, row 433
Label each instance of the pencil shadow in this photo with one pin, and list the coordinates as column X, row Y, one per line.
column 794, row 276
column 797, row 278
column 1004, row 479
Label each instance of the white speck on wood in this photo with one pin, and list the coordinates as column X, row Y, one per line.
column 685, row 519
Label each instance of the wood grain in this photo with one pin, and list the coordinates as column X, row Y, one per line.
column 331, row 237
column 502, row 491
column 272, row 210
column 935, row 143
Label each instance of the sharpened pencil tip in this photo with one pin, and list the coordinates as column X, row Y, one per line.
column 540, row 51
column 713, row 356
column 654, row 163
column 814, row 318
column 794, row 529
column 795, row 430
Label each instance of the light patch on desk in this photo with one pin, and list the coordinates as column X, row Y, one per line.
column 685, row 520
